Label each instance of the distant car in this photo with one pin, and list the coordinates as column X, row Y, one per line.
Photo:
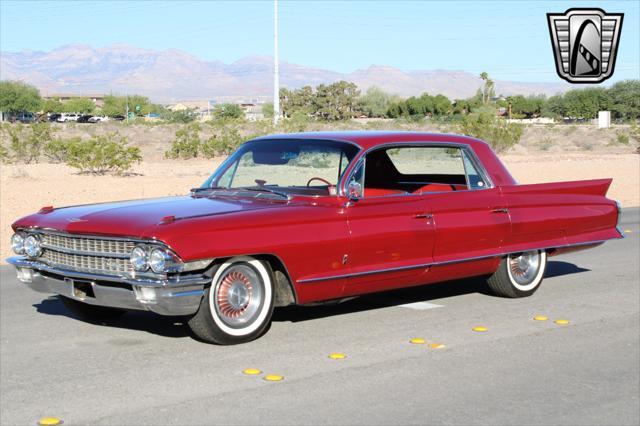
column 54, row 116
column 68, row 117
column 118, row 117
column 23, row 117
column 86, row 118
column 98, row 119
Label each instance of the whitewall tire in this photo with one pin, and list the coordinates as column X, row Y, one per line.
column 238, row 305
column 519, row 274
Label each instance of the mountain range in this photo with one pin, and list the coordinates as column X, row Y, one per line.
column 172, row 75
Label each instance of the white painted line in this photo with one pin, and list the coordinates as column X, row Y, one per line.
column 420, row 306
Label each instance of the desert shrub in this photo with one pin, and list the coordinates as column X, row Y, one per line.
column 187, row 143
column 499, row 133
column 57, row 150
column 4, row 153
column 27, row 141
column 622, row 138
column 108, row 153
column 222, row 143
column 299, row 122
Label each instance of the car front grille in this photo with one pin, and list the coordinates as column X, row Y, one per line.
column 88, row 254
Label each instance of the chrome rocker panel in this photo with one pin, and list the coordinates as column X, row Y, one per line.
column 177, row 295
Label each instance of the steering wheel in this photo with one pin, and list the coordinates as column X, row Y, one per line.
column 329, row 184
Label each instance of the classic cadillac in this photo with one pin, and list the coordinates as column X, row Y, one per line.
column 312, row 217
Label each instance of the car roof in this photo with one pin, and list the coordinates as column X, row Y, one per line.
column 371, row 139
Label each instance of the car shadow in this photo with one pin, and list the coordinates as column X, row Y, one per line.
column 558, row 268
column 176, row 326
column 131, row 320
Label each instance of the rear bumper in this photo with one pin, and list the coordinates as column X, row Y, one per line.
column 176, row 295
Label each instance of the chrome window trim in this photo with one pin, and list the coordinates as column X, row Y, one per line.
column 446, row 262
column 412, row 144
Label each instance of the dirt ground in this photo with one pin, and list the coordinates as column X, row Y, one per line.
column 26, row 188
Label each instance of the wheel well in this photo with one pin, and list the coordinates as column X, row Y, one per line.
column 284, row 292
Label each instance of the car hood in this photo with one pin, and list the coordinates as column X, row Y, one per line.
column 137, row 218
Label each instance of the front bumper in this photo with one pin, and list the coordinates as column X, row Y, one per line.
column 173, row 295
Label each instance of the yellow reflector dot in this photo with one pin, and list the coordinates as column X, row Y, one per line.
column 480, row 329
column 48, row 421
column 337, row 356
column 540, row 318
column 418, row 341
column 436, row 346
column 273, row 378
column 251, row 371
column 562, row 322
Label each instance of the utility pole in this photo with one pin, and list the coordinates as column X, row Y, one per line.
column 276, row 73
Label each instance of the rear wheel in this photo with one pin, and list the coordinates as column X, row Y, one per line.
column 238, row 305
column 519, row 274
column 90, row 312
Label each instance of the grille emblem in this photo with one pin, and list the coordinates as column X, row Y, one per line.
column 585, row 43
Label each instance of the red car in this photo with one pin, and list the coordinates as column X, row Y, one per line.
column 301, row 218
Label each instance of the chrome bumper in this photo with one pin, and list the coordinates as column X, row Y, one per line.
column 176, row 295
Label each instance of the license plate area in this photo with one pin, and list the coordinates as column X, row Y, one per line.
column 81, row 289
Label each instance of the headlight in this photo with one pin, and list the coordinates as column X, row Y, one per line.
column 17, row 243
column 158, row 260
column 138, row 259
column 32, row 246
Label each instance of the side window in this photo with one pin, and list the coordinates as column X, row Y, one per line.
column 474, row 179
column 420, row 169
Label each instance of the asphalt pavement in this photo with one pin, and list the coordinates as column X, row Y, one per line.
column 146, row 369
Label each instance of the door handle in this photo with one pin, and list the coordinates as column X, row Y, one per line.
column 500, row 210
column 423, row 216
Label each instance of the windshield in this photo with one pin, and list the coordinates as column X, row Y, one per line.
column 291, row 166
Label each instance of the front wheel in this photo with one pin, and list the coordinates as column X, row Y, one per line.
column 238, row 305
column 519, row 274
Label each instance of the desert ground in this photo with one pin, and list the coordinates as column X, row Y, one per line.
column 543, row 155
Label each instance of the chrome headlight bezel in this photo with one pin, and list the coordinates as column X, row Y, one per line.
column 17, row 243
column 139, row 258
column 32, row 246
column 158, row 259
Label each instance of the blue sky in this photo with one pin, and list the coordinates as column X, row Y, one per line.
column 510, row 40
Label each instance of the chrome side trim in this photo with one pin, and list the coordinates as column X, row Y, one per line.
column 447, row 262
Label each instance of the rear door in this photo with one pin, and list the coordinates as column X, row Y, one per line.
column 470, row 223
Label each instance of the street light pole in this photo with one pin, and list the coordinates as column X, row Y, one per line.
column 276, row 73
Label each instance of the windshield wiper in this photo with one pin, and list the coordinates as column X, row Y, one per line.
column 205, row 189
column 264, row 189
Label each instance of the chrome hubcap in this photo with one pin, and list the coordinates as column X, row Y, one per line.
column 239, row 294
column 524, row 266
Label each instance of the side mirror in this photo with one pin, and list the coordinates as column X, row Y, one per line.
column 354, row 190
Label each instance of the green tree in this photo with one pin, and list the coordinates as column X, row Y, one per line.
column 376, row 102
column 267, row 110
column 52, row 105
column 228, row 111
column 483, row 124
column 625, row 99
column 586, row 103
column 79, row 105
column 16, row 96
column 487, row 87
column 337, row 101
